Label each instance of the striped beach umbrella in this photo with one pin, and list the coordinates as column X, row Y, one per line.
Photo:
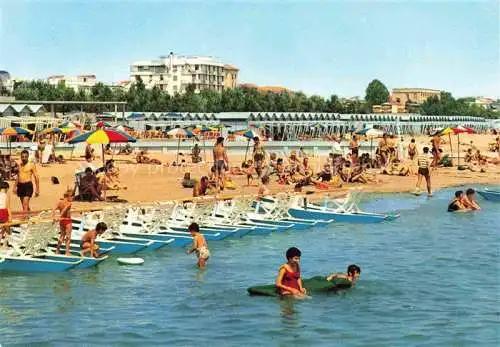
column 14, row 131
column 102, row 137
column 180, row 132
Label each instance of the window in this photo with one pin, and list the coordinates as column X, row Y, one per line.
column 161, row 77
column 175, row 78
column 196, row 67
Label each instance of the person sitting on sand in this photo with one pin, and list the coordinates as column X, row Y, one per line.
column 326, row 174
column 195, row 154
column 89, row 186
column 457, row 204
column 289, row 281
column 88, row 245
column 142, row 158
column 107, row 150
column 89, row 153
column 107, row 181
column 352, row 275
column 469, row 200
column 306, row 169
column 200, row 245
column 200, row 187
column 127, row 150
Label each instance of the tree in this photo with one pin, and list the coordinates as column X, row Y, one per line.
column 376, row 93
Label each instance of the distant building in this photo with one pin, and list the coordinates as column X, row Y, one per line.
column 484, row 102
column 6, row 83
column 401, row 96
column 174, row 73
column 265, row 89
column 230, row 76
column 80, row 82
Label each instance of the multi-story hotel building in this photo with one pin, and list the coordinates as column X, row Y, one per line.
column 401, row 96
column 174, row 73
column 80, row 82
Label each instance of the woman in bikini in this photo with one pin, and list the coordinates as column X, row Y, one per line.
column 65, row 222
column 288, row 281
column 199, row 245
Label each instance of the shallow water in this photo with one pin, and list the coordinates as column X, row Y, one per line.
column 430, row 278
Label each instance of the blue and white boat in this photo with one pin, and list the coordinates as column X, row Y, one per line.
column 23, row 263
column 86, row 262
column 490, row 195
column 302, row 208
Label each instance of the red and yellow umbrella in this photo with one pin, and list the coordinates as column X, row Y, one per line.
column 102, row 137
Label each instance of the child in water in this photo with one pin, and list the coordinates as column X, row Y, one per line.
column 352, row 275
column 289, row 282
column 199, row 245
column 87, row 245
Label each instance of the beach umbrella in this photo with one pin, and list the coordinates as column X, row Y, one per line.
column 102, row 137
column 180, row 132
column 371, row 134
column 123, row 128
column 70, row 125
column 14, row 131
column 461, row 130
column 102, row 124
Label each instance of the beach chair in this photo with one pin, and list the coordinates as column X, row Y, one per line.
column 46, row 154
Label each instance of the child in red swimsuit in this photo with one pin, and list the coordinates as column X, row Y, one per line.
column 65, row 223
column 289, row 282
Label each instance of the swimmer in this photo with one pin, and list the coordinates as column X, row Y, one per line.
column 470, row 200
column 352, row 275
column 457, row 204
column 199, row 245
column 288, row 281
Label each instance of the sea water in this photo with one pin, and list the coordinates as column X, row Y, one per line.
column 429, row 278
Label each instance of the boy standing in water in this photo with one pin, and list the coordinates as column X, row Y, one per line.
column 65, row 222
column 288, row 281
column 199, row 245
column 352, row 275
column 88, row 245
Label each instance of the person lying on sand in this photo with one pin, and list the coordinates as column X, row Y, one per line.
column 352, row 274
column 142, row 158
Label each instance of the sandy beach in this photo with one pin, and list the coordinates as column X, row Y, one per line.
column 149, row 183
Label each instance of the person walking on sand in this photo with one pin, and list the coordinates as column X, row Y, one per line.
column 220, row 162
column 259, row 155
column 424, row 171
column 24, row 184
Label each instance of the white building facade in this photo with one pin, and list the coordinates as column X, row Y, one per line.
column 80, row 82
column 174, row 73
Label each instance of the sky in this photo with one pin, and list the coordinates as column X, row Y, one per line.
column 318, row 47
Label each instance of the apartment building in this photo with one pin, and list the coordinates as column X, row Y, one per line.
column 174, row 73
column 80, row 82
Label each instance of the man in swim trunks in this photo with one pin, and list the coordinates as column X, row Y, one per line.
column 65, row 222
column 424, row 170
column 221, row 162
column 354, row 147
column 436, row 144
column 258, row 156
column 88, row 245
column 352, row 275
column 24, row 184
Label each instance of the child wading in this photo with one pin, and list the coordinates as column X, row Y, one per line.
column 5, row 214
column 88, row 244
column 199, row 245
column 65, row 223
column 289, row 282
